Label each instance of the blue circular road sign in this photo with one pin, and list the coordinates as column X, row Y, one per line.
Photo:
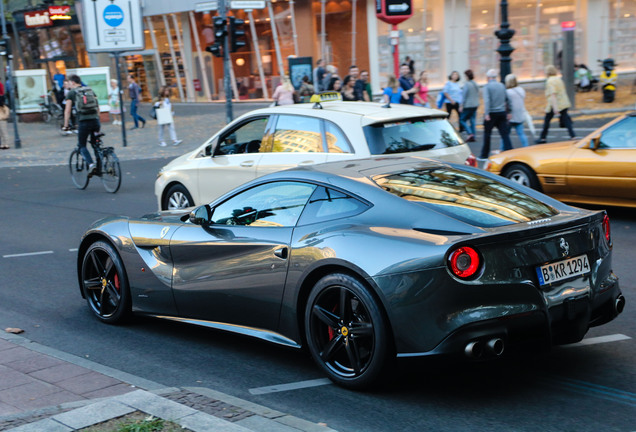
column 113, row 15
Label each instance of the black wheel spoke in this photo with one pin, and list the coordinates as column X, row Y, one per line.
column 112, row 294
column 97, row 265
column 345, row 306
column 93, row 283
column 361, row 330
column 325, row 316
column 108, row 267
column 353, row 354
column 331, row 348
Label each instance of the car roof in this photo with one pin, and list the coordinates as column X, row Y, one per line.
column 367, row 112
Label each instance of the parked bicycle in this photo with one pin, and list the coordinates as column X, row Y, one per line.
column 49, row 108
column 106, row 167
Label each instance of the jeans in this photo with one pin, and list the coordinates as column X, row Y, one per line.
column 85, row 129
column 567, row 121
column 173, row 133
column 467, row 119
column 522, row 135
column 500, row 121
column 133, row 112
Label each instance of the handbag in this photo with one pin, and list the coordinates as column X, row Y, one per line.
column 153, row 112
column 441, row 98
column 164, row 116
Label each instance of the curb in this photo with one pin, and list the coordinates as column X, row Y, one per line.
column 148, row 399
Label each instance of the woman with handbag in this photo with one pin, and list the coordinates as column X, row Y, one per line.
column 163, row 110
column 516, row 100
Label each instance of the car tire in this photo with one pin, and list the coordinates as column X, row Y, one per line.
column 177, row 198
column 347, row 332
column 105, row 284
column 523, row 175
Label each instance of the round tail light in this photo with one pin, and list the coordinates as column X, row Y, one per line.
column 464, row 262
column 606, row 228
column 471, row 160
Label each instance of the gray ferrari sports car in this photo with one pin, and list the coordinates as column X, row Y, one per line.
column 363, row 262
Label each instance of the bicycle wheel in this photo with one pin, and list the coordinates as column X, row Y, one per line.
column 46, row 115
column 111, row 172
column 79, row 170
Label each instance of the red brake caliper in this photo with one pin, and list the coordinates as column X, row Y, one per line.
column 330, row 330
column 116, row 281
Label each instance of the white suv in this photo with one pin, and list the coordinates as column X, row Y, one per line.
column 276, row 138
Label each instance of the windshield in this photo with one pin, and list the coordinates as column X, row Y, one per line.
column 411, row 135
column 466, row 196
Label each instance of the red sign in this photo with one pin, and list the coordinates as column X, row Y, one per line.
column 60, row 12
column 568, row 25
column 197, row 84
column 37, row 19
column 393, row 11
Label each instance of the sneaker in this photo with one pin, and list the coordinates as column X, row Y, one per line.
column 177, row 142
column 91, row 168
column 143, row 124
column 540, row 141
column 162, row 144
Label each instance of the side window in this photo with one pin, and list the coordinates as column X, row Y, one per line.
column 277, row 204
column 295, row 134
column 328, row 204
column 336, row 140
column 620, row 135
column 246, row 138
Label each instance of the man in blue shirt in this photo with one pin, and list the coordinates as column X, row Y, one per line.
column 407, row 83
column 134, row 91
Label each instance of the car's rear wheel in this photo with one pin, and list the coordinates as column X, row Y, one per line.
column 346, row 331
column 105, row 284
column 523, row 175
column 177, row 198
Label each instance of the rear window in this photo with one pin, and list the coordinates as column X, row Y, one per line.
column 466, row 196
column 411, row 135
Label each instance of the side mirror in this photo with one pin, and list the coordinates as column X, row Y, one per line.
column 595, row 142
column 201, row 215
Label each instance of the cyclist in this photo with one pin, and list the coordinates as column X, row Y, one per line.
column 87, row 107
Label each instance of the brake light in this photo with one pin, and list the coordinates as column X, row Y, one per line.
column 606, row 228
column 471, row 161
column 464, row 262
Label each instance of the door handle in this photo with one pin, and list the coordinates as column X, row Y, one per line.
column 247, row 164
column 281, row 253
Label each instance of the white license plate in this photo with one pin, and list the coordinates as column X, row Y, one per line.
column 565, row 269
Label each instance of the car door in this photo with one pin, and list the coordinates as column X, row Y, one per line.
column 234, row 160
column 233, row 269
column 610, row 170
column 293, row 140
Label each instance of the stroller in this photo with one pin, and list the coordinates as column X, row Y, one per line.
column 608, row 79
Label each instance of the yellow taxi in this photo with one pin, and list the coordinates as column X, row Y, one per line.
column 600, row 169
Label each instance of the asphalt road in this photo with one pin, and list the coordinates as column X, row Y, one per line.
column 583, row 388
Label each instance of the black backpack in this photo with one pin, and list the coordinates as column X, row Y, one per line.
column 86, row 101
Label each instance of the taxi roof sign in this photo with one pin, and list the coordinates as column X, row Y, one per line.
column 393, row 11
column 328, row 96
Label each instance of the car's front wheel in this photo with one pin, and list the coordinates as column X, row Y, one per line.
column 523, row 175
column 177, row 198
column 104, row 283
column 346, row 331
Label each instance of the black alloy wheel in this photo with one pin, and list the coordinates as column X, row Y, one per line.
column 104, row 283
column 177, row 198
column 346, row 332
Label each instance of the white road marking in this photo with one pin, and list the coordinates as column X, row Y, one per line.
column 27, row 254
column 290, row 386
column 598, row 340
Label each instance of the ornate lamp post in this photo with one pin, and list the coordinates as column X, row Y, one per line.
column 504, row 34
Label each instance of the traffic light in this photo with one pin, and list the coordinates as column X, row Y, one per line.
column 237, row 34
column 5, row 47
column 220, row 32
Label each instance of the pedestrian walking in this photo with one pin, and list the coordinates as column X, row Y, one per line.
column 113, row 102
column 420, row 97
column 165, row 118
column 407, row 83
column 318, row 75
column 306, row 89
column 85, row 101
column 331, row 72
column 516, row 100
column 557, row 102
column 284, row 93
column 134, row 92
column 393, row 93
column 453, row 95
column 495, row 113
column 4, row 117
column 470, row 97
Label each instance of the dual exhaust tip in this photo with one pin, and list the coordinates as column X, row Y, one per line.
column 619, row 304
column 477, row 349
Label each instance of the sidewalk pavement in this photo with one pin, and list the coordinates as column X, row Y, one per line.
column 46, row 390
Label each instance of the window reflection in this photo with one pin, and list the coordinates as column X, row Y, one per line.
column 295, row 134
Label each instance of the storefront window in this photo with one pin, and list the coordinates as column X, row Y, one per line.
column 623, row 33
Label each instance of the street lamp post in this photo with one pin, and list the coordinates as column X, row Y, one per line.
column 504, row 34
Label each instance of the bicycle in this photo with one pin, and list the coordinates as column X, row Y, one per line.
column 50, row 109
column 107, row 166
